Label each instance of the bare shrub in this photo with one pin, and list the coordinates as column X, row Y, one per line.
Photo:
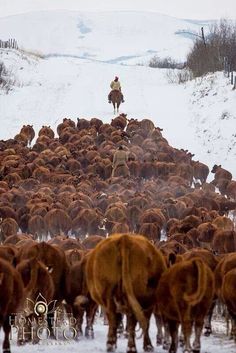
column 220, row 43
column 179, row 76
column 7, row 81
column 165, row 63
column 34, row 53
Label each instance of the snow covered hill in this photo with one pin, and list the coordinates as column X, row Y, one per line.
column 111, row 37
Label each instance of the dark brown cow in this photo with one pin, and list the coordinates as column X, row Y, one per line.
column 9, row 253
column 75, row 289
column 11, row 299
column 200, row 171
column 39, row 286
column 54, row 260
column 185, row 294
column 122, row 275
column 228, row 293
column 220, row 173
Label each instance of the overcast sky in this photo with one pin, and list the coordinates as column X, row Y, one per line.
column 194, row 9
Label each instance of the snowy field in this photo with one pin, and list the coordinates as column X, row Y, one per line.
column 217, row 343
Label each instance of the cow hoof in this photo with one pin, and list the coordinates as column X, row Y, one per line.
column 131, row 350
column 181, row 342
column 166, row 346
column 111, row 347
column 89, row 333
column 208, row 332
column 6, row 351
column 148, row 348
column 195, row 350
column 158, row 341
column 21, row 342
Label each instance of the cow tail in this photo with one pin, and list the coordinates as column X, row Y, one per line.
column 195, row 298
column 33, row 277
column 127, row 285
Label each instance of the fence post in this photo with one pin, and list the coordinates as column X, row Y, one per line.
column 228, row 70
column 232, row 78
column 225, row 63
column 234, row 82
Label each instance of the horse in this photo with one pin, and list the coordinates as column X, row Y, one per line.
column 116, row 99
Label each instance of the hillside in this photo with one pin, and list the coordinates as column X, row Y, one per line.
column 110, row 37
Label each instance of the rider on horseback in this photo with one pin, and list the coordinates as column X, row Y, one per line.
column 115, row 86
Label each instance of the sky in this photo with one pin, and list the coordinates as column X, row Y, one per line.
column 191, row 9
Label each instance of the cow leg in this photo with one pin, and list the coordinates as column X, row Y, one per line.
column 208, row 327
column 187, row 330
column 120, row 328
column 147, row 344
column 78, row 314
column 198, row 331
column 6, row 342
column 112, row 336
column 50, row 321
column 166, row 342
column 90, row 315
column 131, row 320
column 173, row 329
column 159, row 323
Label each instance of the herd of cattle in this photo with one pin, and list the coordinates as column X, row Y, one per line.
column 158, row 240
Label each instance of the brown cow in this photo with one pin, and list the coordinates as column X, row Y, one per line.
column 223, row 222
column 228, row 293
column 185, row 294
column 11, row 299
column 28, row 131
column 57, row 222
column 46, row 131
column 8, row 227
column 75, row 289
column 220, row 173
column 127, row 285
column 39, row 287
column 200, row 171
column 54, row 260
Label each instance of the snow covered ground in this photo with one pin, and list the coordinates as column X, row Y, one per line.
column 217, row 343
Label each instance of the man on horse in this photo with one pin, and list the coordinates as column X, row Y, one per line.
column 120, row 159
column 115, row 86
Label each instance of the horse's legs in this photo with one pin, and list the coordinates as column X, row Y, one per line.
column 114, row 106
